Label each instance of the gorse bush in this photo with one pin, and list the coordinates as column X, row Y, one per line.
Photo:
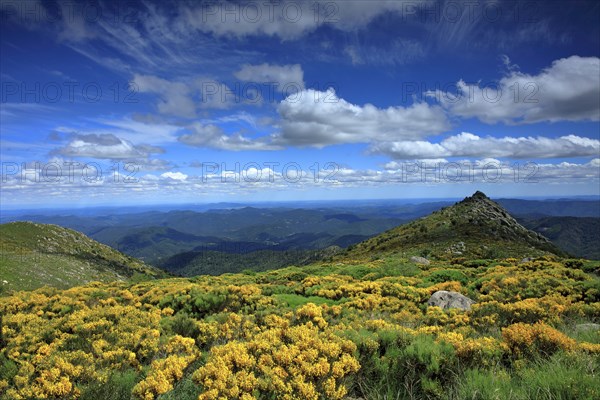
column 326, row 331
column 524, row 340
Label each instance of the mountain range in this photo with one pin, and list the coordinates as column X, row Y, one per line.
column 35, row 254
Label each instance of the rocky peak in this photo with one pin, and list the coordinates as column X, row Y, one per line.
column 477, row 197
column 475, row 226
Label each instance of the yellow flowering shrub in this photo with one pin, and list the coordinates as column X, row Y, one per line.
column 164, row 372
column 526, row 340
column 300, row 361
column 289, row 334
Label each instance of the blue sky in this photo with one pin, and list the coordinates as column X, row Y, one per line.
column 141, row 102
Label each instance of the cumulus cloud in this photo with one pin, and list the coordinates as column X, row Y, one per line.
column 312, row 118
column 105, row 146
column 315, row 118
column 281, row 75
column 214, row 136
column 568, row 90
column 182, row 99
column 217, row 95
column 176, row 176
column 175, row 97
column 470, row 145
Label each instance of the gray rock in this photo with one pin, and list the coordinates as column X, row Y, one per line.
column 526, row 259
column 420, row 260
column 445, row 299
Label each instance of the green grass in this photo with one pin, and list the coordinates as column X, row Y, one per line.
column 563, row 377
column 118, row 387
column 35, row 255
column 295, row 300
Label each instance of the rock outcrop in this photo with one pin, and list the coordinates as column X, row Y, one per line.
column 419, row 260
column 446, row 299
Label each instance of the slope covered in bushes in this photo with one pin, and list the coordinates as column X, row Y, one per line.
column 326, row 331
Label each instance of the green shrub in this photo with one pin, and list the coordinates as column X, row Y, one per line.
column 405, row 367
column 117, row 387
column 185, row 389
column 476, row 263
column 399, row 269
column 181, row 324
column 8, row 368
column 446, row 275
column 574, row 263
column 357, row 271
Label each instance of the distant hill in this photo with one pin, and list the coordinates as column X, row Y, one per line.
column 556, row 208
column 235, row 231
column 577, row 236
column 474, row 227
column 209, row 262
column 156, row 236
column 34, row 255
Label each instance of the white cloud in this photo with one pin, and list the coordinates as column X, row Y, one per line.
column 395, row 52
column 470, row 145
column 281, row 75
column 176, row 176
column 182, row 99
column 215, row 95
column 73, row 27
column 175, row 97
column 138, row 130
column 105, row 146
column 568, row 90
column 355, row 56
column 213, row 136
column 315, row 118
column 288, row 19
column 36, row 186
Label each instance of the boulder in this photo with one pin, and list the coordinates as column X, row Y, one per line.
column 420, row 260
column 446, row 299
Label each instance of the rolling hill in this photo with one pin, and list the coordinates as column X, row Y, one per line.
column 577, row 236
column 474, row 227
column 33, row 255
column 155, row 235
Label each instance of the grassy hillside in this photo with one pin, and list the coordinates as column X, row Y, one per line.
column 327, row 331
column 476, row 227
column 33, row 255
